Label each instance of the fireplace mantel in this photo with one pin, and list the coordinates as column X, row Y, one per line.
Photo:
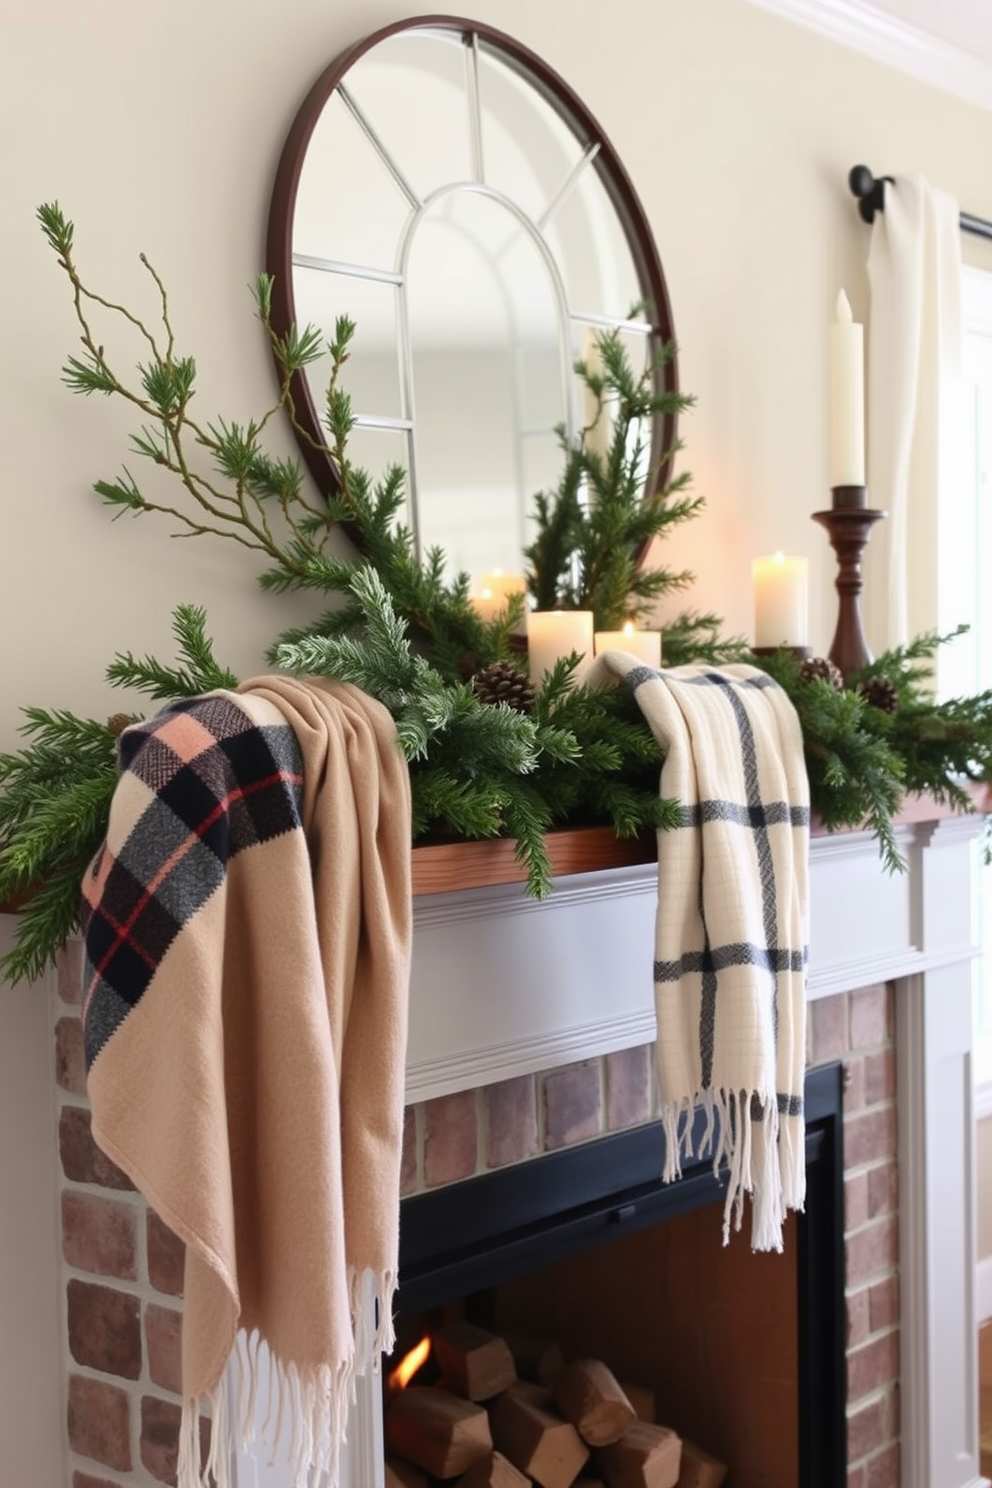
column 504, row 985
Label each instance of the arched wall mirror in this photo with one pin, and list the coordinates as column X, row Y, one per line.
column 447, row 190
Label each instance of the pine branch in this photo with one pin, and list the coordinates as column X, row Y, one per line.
column 54, row 804
column 161, row 391
column 202, row 672
column 594, row 527
column 694, row 637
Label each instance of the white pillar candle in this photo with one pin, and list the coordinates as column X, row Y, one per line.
column 494, row 590
column 780, row 600
column 644, row 644
column 847, row 398
column 552, row 634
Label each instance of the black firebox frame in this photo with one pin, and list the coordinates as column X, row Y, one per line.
column 461, row 1239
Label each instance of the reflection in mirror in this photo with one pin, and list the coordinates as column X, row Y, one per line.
column 488, row 380
column 447, row 191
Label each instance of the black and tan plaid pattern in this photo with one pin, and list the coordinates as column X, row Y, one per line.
column 200, row 782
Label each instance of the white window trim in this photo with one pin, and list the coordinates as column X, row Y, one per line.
column 976, row 298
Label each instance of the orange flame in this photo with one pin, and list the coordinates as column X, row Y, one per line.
column 409, row 1364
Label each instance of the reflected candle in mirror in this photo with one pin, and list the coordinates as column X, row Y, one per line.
column 780, row 600
column 644, row 644
column 494, row 590
column 553, row 634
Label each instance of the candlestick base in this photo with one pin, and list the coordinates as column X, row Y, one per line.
column 849, row 522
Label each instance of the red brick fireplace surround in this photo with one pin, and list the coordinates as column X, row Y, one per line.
column 123, row 1303
column 123, row 1269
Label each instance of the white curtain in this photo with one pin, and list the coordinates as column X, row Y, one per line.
column 914, row 371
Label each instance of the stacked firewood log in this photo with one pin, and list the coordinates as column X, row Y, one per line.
column 509, row 1412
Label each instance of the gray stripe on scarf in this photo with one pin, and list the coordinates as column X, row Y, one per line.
column 742, row 953
column 771, row 815
column 788, row 1105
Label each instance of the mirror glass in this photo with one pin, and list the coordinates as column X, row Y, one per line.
column 447, row 191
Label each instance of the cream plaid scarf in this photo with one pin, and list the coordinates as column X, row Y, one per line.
column 732, row 928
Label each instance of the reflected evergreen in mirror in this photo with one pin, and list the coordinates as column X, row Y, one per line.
column 447, row 190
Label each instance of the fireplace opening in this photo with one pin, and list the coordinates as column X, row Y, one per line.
column 588, row 1251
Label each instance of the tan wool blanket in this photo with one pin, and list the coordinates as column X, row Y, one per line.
column 732, row 930
column 247, row 932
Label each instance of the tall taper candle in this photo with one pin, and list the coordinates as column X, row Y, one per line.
column 847, row 398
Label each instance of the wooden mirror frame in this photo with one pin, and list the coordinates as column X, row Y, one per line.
column 613, row 176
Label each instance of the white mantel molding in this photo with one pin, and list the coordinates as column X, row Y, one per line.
column 876, row 34
column 504, row 985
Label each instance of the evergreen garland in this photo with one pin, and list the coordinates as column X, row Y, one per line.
column 406, row 633
column 55, row 794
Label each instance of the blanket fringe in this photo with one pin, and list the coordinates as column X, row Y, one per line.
column 758, row 1151
column 371, row 1297
column 310, row 1406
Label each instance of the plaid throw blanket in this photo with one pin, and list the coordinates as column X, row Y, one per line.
column 247, row 932
column 732, row 928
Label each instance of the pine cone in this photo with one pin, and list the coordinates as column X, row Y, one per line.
column 821, row 666
column 502, row 682
column 118, row 722
column 881, row 693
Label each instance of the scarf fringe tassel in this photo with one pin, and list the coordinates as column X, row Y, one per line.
column 758, row 1150
column 303, row 1417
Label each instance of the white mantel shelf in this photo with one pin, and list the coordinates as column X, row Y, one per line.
column 503, row 985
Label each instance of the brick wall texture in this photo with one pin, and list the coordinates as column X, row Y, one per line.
column 123, row 1294
column 124, row 1268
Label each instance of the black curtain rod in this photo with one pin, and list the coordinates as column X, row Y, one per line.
column 871, row 199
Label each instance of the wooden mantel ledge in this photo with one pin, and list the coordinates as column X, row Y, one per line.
column 442, row 868
column 445, row 867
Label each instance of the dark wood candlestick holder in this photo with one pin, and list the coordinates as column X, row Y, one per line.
column 849, row 522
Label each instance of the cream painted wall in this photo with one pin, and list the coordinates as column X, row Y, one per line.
column 157, row 127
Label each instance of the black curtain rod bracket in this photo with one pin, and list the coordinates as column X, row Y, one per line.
column 870, row 191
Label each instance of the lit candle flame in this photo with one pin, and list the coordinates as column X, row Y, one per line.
column 409, row 1364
